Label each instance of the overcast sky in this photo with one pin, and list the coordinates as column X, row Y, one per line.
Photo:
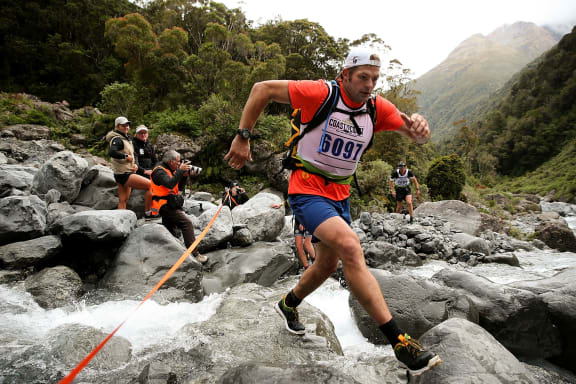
column 421, row 32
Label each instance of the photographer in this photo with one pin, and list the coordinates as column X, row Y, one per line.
column 167, row 179
column 236, row 196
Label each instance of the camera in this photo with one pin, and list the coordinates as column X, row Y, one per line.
column 195, row 169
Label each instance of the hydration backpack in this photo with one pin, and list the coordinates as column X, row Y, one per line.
column 290, row 160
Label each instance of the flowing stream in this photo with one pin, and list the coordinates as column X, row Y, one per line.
column 23, row 322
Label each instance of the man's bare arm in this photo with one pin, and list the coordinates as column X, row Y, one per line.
column 262, row 93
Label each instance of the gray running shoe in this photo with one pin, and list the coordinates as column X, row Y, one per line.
column 290, row 316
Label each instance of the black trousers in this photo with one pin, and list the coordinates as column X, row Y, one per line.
column 173, row 219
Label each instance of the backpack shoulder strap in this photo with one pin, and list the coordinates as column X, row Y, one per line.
column 327, row 105
column 371, row 106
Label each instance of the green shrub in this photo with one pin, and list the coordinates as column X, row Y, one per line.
column 43, row 116
column 218, row 118
column 124, row 99
column 374, row 175
column 446, row 178
column 275, row 130
column 184, row 120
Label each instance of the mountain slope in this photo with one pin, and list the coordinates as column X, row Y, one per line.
column 535, row 116
column 477, row 67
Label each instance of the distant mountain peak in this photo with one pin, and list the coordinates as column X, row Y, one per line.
column 526, row 37
column 477, row 67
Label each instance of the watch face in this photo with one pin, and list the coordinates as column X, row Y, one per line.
column 245, row 133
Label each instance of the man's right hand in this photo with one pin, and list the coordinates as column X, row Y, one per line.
column 239, row 152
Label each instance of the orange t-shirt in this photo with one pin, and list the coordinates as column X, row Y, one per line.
column 308, row 95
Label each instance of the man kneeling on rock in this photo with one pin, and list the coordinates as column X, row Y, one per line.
column 166, row 180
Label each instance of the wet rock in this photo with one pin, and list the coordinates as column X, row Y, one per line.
column 470, row 355
column 54, row 287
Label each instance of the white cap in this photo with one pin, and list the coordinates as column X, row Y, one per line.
column 121, row 120
column 141, row 128
column 360, row 56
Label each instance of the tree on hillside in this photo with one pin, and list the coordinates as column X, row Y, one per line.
column 536, row 116
column 311, row 53
column 154, row 62
column 54, row 49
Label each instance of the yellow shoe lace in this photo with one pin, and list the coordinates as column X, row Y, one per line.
column 407, row 341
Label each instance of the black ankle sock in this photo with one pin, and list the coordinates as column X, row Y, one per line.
column 291, row 300
column 391, row 331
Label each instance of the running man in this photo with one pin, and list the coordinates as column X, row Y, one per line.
column 400, row 188
column 319, row 193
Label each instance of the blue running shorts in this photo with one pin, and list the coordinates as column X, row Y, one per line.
column 312, row 210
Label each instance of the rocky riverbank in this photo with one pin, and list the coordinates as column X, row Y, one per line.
column 63, row 245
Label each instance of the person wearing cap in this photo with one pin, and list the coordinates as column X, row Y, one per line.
column 234, row 196
column 331, row 151
column 125, row 169
column 144, row 151
column 400, row 188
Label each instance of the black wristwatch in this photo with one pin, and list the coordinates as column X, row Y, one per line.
column 244, row 133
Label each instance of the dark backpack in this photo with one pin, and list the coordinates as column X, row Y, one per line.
column 290, row 161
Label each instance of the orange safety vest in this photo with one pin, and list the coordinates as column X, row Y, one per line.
column 159, row 192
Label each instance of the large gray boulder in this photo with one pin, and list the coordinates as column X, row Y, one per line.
column 472, row 243
column 58, row 211
column 63, row 172
column 29, row 131
column 380, row 253
column 228, row 333
column 470, row 355
column 97, row 226
column 144, row 258
column 557, row 235
column 101, row 192
column 54, row 287
column 264, row 222
column 24, row 254
column 261, row 263
column 71, row 343
column 517, row 318
column 21, row 218
column 253, row 373
column 462, row 216
column 221, row 231
column 15, row 180
column 559, row 294
column 416, row 304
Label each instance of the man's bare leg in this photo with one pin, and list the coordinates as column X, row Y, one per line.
column 410, row 205
column 339, row 242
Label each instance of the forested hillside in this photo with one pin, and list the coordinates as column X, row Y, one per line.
column 479, row 66
column 528, row 128
column 56, row 50
column 537, row 117
column 178, row 66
